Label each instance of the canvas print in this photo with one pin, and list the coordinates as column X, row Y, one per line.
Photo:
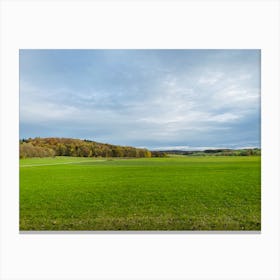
column 140, row 140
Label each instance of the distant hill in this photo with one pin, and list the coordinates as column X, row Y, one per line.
column 215, row 152
column 53, row 146
column 48, row 147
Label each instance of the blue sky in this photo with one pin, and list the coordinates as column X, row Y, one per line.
column 156, row 99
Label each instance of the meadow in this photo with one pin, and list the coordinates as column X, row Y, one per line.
column 174, row 193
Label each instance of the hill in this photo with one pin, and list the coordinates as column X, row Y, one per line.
column 49, row 147
column 215, row 152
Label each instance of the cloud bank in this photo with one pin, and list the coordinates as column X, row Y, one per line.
column 143, row 98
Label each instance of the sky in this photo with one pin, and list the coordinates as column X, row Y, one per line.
column 157, row 99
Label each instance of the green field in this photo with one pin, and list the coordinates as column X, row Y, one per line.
column 178, row 193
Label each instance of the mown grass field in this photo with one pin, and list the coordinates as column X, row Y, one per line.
column 178, row 193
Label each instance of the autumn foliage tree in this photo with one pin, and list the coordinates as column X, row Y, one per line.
column 45, row 147
column 29, row 150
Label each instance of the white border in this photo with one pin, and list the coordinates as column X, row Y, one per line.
column 140, row 24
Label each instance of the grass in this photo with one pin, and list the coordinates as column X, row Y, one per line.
column 180, row 193
column 52, row 161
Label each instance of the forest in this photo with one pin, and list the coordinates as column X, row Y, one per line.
column 218, row 152
column 50, row 147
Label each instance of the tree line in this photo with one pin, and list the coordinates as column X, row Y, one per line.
column 219, row 152
column 50, row 147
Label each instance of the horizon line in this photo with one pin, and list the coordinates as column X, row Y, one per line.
column 164, row 148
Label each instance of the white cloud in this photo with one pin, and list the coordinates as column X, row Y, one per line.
column 225, row 117
column 210, row 78
column 151, row 104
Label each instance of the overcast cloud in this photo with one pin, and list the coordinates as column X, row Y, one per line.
column 144, row 98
